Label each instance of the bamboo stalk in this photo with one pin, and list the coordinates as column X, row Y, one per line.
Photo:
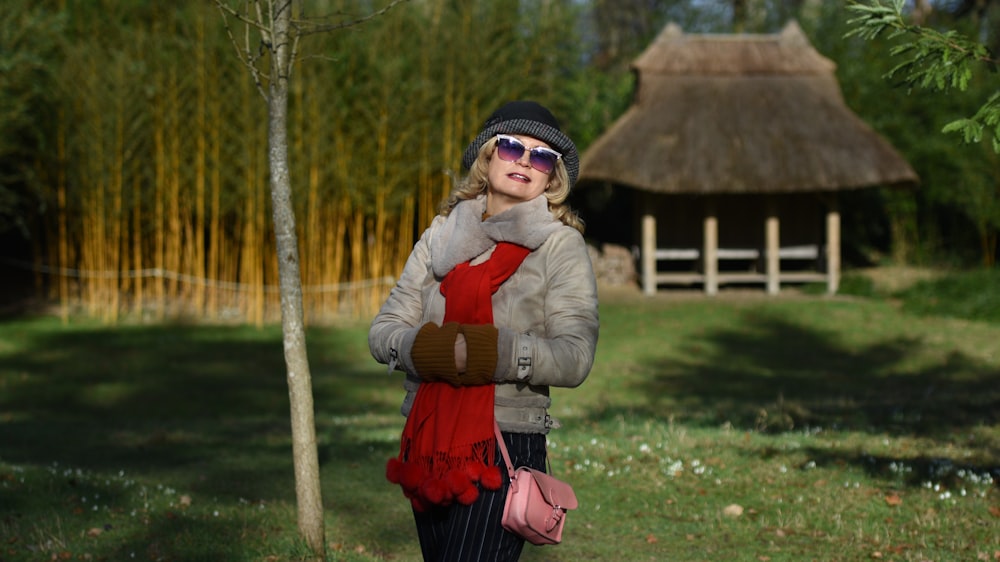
column 173, row 241
column 159, row 220
column 214, row 267
column 137, row 245
column 196, row 235
column 336, row 242
column 114, row 236
column 62, row 220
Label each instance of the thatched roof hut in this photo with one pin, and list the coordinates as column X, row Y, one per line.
column 744, row 125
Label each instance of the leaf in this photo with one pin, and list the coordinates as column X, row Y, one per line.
column 995, row 510
column 893, row 500
column 651, row 539
column 732, row 510
column 95, row 532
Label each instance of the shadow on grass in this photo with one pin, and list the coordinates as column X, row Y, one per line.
column 203, row 409
column 778, row 375
column 206, row 408
column 773, row 375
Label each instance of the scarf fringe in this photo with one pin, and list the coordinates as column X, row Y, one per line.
column 442, row 480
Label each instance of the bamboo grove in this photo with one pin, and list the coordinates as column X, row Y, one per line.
column 157, row 184
column 136, row 143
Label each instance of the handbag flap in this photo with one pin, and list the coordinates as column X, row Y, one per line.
column 555, row 491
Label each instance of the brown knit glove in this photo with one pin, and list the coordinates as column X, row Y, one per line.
column 433, row 353
column 481, row 362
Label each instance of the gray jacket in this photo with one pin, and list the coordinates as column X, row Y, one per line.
column 546, row 312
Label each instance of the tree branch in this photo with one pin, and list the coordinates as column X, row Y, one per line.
column 245, row 55
column 935, row 60
column 310, row 27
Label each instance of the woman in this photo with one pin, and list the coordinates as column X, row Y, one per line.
column 496, row 303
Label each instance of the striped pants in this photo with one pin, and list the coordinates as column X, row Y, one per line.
column 473, row 532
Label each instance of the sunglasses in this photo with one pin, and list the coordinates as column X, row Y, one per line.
column 511, row 150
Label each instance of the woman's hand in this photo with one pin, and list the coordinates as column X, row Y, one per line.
column 461, row 353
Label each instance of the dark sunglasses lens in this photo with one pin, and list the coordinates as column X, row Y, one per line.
column 543, row 161
column 509, row 149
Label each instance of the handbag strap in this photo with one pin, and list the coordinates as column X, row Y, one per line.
column 503, row 450
column 506, row 455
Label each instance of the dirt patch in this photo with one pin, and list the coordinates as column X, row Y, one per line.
column 892, row 278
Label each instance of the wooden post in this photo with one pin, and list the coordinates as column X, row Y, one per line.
column 648, row 254
column 833, row 248
column 711, row 243
column 772, row 257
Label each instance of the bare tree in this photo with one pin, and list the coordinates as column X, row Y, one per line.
column 268, row 48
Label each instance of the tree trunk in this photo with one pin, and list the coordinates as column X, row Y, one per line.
column 739, row 16
column 305, row 458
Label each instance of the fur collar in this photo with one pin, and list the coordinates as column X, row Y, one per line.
column 466, row 236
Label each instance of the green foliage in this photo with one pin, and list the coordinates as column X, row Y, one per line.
column 971, row 129
column 936, row 60
column 955, row 214
column 30, row 50
column 972, row 295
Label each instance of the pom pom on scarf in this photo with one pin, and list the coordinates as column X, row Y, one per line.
column 412, row 475
column 418, row 504
column 461, row 486
column 491, row 478
column 475, row 470
column 469, row 496
column 394, row 470
column 458, row 481
column 435, row 491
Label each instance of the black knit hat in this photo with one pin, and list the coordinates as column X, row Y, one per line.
column 531, row 119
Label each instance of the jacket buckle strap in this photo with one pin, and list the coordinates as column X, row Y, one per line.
column 393, row 359
column 523, row 365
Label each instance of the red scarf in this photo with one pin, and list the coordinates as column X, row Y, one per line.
column 448, row 443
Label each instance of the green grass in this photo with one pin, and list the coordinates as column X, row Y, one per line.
column 843, row 428
column 973, row 295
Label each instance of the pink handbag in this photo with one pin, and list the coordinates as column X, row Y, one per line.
column 536, row 502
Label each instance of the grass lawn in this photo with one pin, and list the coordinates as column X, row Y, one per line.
column 741, row 427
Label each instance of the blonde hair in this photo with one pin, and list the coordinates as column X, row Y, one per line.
column 476, row 183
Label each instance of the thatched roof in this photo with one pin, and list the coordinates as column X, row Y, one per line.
column 740, row 114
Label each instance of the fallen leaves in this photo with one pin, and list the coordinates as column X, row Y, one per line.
column 890, row 550
column 732, row 510
column 893, row 500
